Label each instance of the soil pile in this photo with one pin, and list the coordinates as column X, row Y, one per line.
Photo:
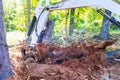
column 82, row 60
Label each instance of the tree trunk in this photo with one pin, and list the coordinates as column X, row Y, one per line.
column 71, row 21
column 28, row 4
column 5, row 65
column 104, row 33
column 66, row 23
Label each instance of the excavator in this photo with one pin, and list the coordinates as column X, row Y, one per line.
column 38, row 26
column 39, row 22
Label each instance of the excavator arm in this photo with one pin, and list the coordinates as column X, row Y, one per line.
column 97, row 4
column 38, row 25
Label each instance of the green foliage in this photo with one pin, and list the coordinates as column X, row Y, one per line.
column 83, row 17
column 118, row 1
column 16, row 17
column 82, row 21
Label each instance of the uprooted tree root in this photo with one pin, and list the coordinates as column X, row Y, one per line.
column 82, row 60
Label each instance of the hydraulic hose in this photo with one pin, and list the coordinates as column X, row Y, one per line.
column 31, row 26
column 111, row 19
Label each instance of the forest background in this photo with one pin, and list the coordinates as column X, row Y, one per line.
column 18, row 15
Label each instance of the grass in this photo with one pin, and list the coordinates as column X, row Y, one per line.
column 114, row 31
column 14, row 37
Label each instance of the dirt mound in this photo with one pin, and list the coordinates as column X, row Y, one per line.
column 82, row 60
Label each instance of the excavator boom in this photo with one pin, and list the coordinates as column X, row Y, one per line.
column 97, row 4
